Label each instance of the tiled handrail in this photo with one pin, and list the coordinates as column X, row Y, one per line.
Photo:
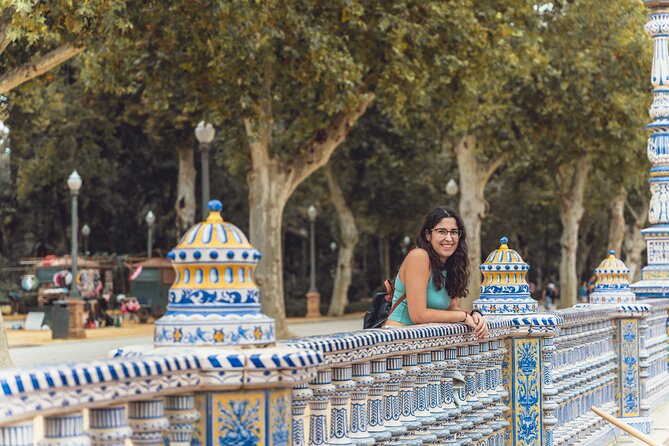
column 158, row 387
column 584, row 371
column 399, row 385
column 429, row 384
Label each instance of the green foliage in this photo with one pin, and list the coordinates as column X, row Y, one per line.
column 547, row 86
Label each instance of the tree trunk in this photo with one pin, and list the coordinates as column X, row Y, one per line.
column 185, row 204
column 474, row 177
column 347, row 242
column 634, row 242
column 271, row 183
column 5, row 359
column 571, row 181
column 267, row 199
column 617, row 225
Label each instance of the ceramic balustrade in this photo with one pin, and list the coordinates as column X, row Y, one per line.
column 409, row 394
column 422, row 385
column 656, row 343
column 583, row 373
column 145, row 398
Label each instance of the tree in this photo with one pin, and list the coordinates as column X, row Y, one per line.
column 296, row 77
column 478, row 103
column 592, row 105
column 38, row 36
column 347, row 242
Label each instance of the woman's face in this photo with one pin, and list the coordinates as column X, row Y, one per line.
column 444, row 238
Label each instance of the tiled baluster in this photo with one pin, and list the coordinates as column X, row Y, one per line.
column 62, row 430
column 182, row 416
column 375, row 409
column 339, row 425
column 471, row 374
column 391, row 412
column 363, row 381
column 436, row 399
column 549, row 391
column 108, row 426
column 484, row 391
column 408, row 400
column 502, row 404
column 644, row 405
column 147, row 421
column 301, row 394
column 482, row 350
column 491, row 387
column 322, row 390
column 18, row 434
column 448, row 394
column 422, row 399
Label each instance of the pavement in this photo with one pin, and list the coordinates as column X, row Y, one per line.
column 660, row 434
column 131, row 329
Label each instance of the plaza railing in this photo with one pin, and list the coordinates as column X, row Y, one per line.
column 532, row 381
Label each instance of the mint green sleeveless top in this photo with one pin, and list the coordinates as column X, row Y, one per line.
column 438, row 300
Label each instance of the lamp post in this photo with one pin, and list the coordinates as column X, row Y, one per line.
column 205, row 132
column 74, row 183
column 75, row 306
column 452, row 188
column 150, row 221
column 406, row 241
column 85, row 232
column 313, row 296
column 305, row 236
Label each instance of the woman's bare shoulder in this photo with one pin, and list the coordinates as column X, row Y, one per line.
column 417, row 256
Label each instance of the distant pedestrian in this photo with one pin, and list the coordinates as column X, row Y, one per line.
column 583, row 292
column 549, row 296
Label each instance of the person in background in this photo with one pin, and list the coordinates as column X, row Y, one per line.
column 549, row 296
column 583, row 292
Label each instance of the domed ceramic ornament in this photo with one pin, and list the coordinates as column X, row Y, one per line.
column 214, row 300
column 612, row 284
column 504, row 289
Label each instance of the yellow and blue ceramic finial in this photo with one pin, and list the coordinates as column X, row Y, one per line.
column 612, row 285
column 214, row 299
column 504, row 289
column 215, row 207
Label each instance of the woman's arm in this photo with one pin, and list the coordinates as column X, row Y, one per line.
column 415, row 274
column 480, row 323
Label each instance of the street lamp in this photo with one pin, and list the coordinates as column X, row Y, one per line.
column 150, row 221
column 73, row 326
column 205, row 132
column 74, row 183
column 452, row 188
column 406, row 241
column 305, row 236
column 85, row 231
column 313, row 296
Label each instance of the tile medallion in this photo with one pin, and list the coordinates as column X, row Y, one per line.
column 250, row 418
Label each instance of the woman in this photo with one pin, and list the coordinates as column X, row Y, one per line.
column 435, row 276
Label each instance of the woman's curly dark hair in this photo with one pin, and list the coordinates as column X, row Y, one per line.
column 457, row 265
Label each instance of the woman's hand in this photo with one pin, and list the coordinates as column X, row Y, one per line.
column 477, row 323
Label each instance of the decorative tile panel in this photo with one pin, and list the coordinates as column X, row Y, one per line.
column 526, row 393
column 629, row 380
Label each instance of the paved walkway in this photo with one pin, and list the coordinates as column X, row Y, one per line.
column 660, row 432
column 299, row 326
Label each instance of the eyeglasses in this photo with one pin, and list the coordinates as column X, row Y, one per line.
column 442, row 232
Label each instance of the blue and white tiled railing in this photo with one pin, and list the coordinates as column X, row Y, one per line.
column 531, row 382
